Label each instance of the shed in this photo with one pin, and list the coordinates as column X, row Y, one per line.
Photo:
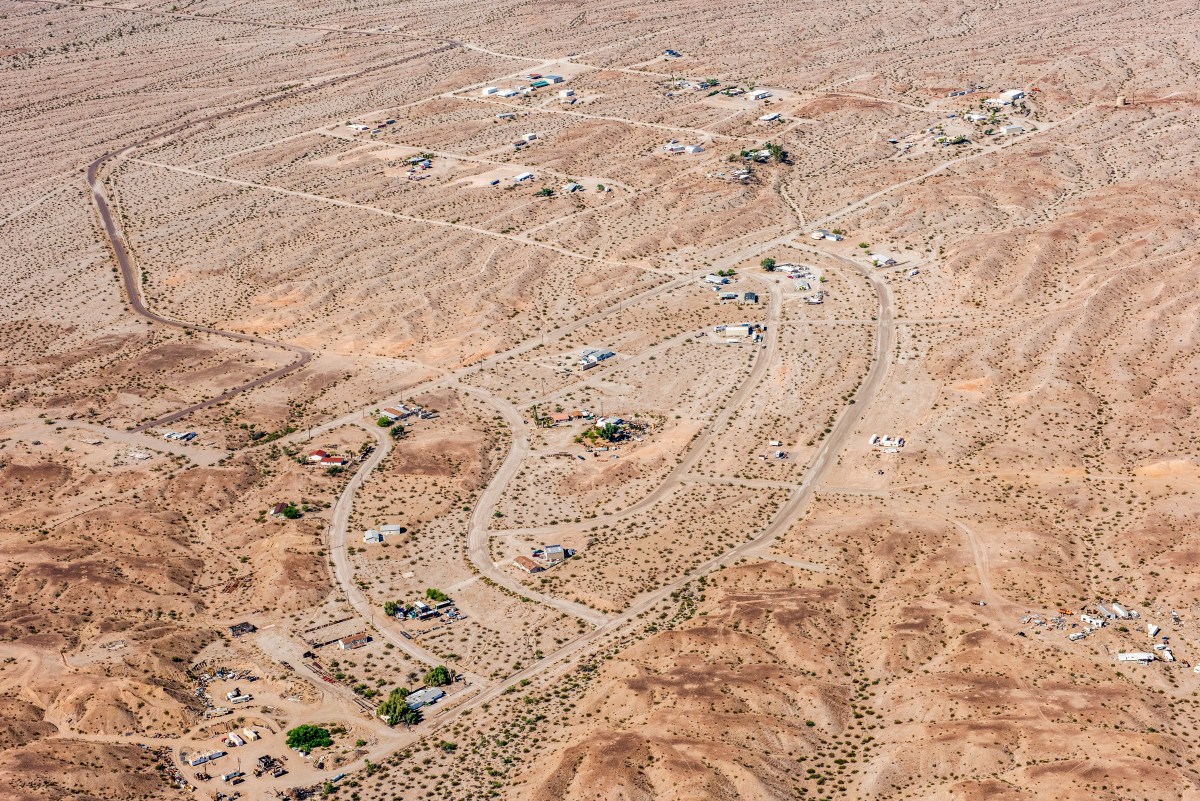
column 392, row 528
column 554, row 554
column 490, row 90
column 372, row 536
column 693, row 149
column 750, row 297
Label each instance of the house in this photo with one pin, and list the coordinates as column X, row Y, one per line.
column 490, row 90
column 1011, row 129
column 565, row 93
column 760, row 95
column 564, row 417
column 424, row 697
column 737, row 330
column 713, row 278
column 1012, row 95
column 317, row 456
column 674, row 148
column 529, row 137
column 820, row 233
column 533, row 76
column 554, row 554
column 553, row 78
column 392, row 413
column 727, row 296
column 509, row 93
column 372, row 536
column 525, row 176
column 354, row 641
column 332, row 461
column 528, row 565
column 881, row 259
column 750, row 297
column 693, row 149
column 277, row 509
column 392, row 528
column 238, row 629
column 774, row 115
column 571, row 187
column 591, row 357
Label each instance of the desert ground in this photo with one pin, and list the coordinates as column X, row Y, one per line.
column 740, row 402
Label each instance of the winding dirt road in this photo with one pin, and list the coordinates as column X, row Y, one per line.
column 125, row 262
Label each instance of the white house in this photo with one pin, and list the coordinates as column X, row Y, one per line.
column 372, row 536
column 693, row 149
column 566, row 92
column 761, row 95
column 881, row 259
column 525, row 176
column 490, row 90
column 774, row 115
column 529, row 137
column 1011, row 129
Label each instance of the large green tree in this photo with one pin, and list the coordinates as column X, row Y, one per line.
column 306, row 737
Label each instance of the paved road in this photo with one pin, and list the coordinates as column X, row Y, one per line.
column 343, row 571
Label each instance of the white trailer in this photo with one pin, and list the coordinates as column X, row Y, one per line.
column 1152, row 630
column 713, row 278
column 1121, row 611
column 1167, row 656
column 1136, row 656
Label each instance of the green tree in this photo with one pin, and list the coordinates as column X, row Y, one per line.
column 384, row 421
column 398, row 432
column 394, row 706
column 291, row 511
column 768, row 264
column 440, row 676
column 608, row 432
column 435, row 595
column 777, row 152
column 306, row 737
column 389, row 608
column 545, row 191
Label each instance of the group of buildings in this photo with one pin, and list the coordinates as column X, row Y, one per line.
column 377, row 535
column 536, row 81
column 542, row 559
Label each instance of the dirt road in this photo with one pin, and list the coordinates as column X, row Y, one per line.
column 342, row 571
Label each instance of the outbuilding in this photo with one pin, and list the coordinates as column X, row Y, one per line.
column 372, row 536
